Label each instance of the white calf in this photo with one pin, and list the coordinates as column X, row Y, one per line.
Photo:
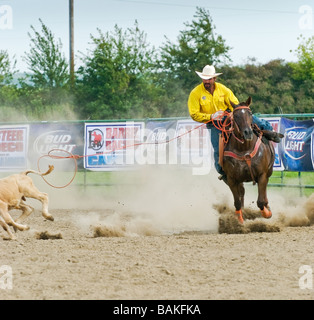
column 13, row 192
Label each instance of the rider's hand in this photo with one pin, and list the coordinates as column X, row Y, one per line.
column 217, row 115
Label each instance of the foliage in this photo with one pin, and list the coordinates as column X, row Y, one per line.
column 304, row 68
column 122, row 77
column 303, row 75
column 47, row 63
column 117, row 76
column 42, row 92
column 7, row 68
column 269, row 85
column 198, row 45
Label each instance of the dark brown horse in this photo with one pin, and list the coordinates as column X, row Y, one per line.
column 247, row 158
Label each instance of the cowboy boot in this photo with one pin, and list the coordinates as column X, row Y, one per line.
column 223, row 177
column 272, row 135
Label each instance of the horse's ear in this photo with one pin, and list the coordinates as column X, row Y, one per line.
column 232, row 104
column 249, row 101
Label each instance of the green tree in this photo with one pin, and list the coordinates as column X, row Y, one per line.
column 269, row 85
column 303, row 76
column 7, row 68
column 197, row 46
column 9, row 96
column 45, row 60
column 44, row 92
column 116, row 78
column 304, row 68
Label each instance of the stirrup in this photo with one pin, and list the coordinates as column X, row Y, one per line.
column 223, row 177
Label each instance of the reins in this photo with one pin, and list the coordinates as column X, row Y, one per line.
column 228, row 125
column 249, row 155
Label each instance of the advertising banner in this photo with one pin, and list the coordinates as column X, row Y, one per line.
column 194, row 146
column 111, row 146
column 175, row 142
column 278, row 164
column 297, row 145
column 119, row 145
column 158, row 147
column 44, row 138
column 13, row 147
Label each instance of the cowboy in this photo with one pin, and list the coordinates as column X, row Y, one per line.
column 209, row 100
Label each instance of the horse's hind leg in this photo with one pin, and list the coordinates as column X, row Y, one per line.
column 262, row 201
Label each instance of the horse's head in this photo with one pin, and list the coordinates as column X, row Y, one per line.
column 243, row 120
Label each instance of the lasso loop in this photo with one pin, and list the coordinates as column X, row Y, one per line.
column 70, row 156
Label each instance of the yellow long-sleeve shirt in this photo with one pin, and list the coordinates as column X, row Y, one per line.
column 203, row 104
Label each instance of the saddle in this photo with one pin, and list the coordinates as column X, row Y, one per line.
column 247, row 157
column 263, row 137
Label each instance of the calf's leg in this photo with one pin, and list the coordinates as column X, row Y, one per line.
column 7, row 229
column 33, row 192
column 4, row 214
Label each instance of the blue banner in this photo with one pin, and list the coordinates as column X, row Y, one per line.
column 296, row 149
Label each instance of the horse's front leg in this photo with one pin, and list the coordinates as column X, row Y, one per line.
column 238, row 196
column 241, row 192
column 262, row 201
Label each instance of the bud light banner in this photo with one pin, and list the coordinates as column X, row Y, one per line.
column 297, row 145
column 159, row 146
column 46, row 137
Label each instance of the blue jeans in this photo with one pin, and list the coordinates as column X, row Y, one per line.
column 214, row 137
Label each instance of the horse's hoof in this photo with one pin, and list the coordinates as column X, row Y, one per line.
column 240, row 217
column 266, row 213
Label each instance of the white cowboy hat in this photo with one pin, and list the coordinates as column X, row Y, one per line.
column 208, row 73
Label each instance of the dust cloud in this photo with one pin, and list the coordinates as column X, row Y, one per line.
column 164, row 200
column 159, row 200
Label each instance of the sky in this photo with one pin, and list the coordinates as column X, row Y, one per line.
column 264, row 30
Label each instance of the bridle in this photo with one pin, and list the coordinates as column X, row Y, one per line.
column 234, row 123
column 249, row 155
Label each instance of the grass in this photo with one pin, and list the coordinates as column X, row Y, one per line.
column 120, row 178
column 291, row 178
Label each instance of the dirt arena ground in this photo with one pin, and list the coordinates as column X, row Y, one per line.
column 168, row 238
